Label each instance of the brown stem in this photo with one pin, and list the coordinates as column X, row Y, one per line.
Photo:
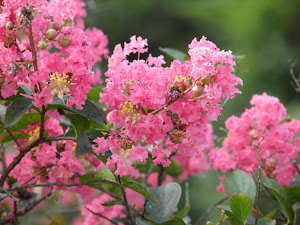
column 33, row 52
column 126, row 202
column 17, row 160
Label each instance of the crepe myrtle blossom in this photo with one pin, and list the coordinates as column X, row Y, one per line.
column 29, row 30
column 163, row 110
column 265, row 119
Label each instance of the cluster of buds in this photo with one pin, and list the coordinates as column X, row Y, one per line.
column 176, row 89
column 13, row 68
column 53, row 31
column 24, row 17
column 124, row 141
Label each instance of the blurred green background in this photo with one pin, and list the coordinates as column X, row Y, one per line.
column 266, row 32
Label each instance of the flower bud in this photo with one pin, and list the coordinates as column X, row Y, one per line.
column 51, row 34
column 52, row 25
column 64, row 41
column 209, row 223
column 42, row 45
column 10, row 25
column 197, row 91
column 254, row 134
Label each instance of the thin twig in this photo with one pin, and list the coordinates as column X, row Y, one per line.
column 296, row 167
column 295, row 82
column 28, row 208
column 11, row 134
column 104, row 217
column 257, row 148
column 125, row 202
column 200, row 220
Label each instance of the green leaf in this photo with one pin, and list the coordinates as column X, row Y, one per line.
column 102, row 158
column 241, row 206
column 183, row 212
column 80, row 123
column 233, row 219
column 16, row 110
column 111, row 203
column 7, row 138
column 174, row 221
column 239, row 182
column 281, row 197
column 139, row 189
column 94, row 94
column 26, row 89
column 27, row 119
column 84, row 145
column 266, row 222
column 105, row 174
column 174, row 169
column 272, row 184
column 90, row 110
column 167, row 198
column 174, row 53
column 271, row 214
column 293, row 193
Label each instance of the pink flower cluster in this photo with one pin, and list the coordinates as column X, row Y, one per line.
column 265, row 119
column 163, row 110
column 45, row 25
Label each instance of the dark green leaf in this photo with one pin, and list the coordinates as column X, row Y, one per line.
column 90, row 110
column 84, row 145
column 239, row 182
column 16, row 110
column 241, row 206
column 111, row 203
column 272, row 184
column 281, row 197
column 174, row 53
column 26, row 89
column 167, row 198
column 293, row 193
column 139, row 189
column 80, row 123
